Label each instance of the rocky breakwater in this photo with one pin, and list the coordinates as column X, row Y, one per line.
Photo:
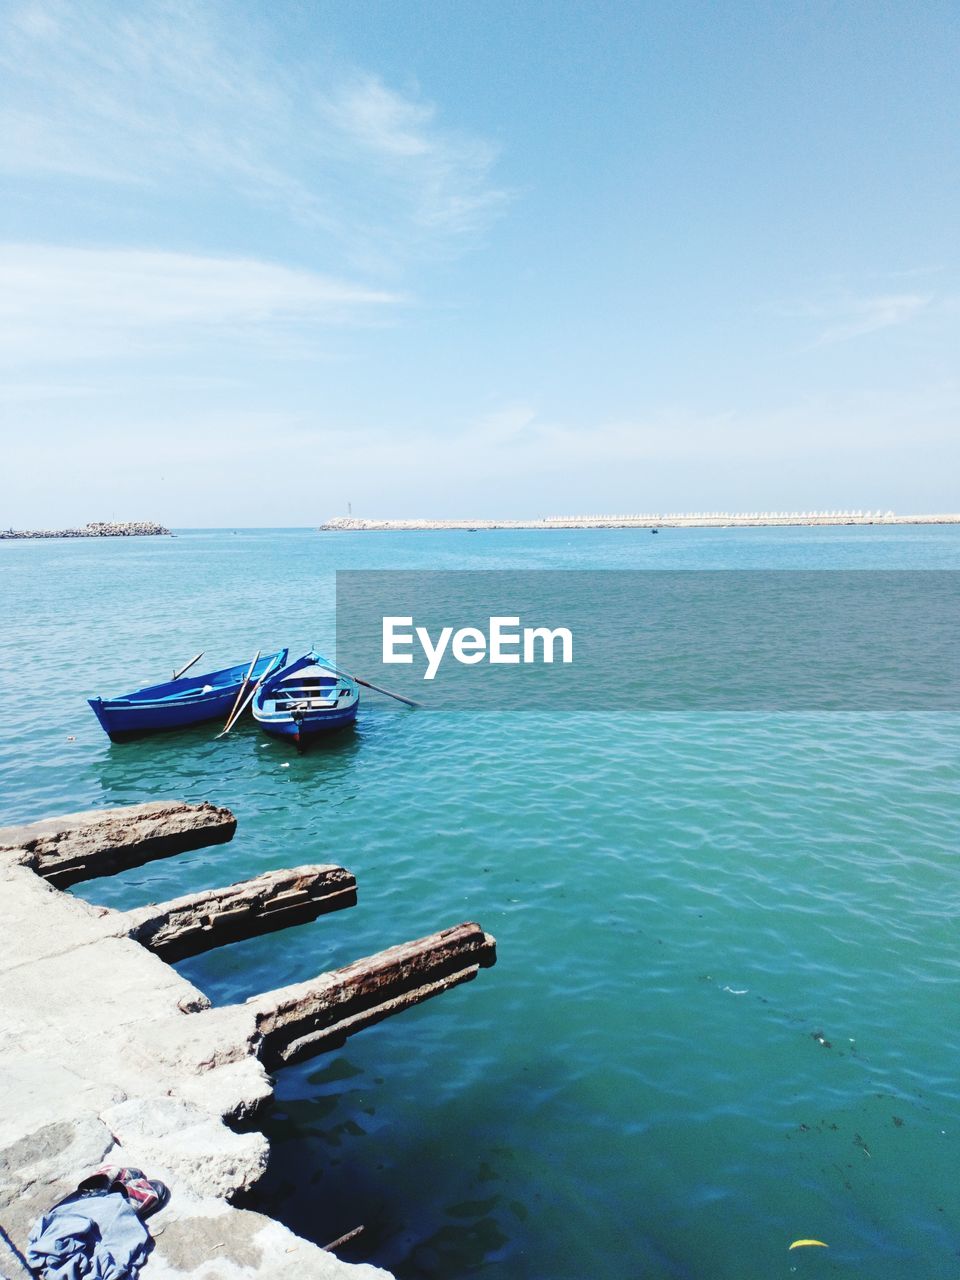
column 109, row 1055
column 96, row 529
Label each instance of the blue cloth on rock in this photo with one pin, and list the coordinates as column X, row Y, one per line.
column 89, row 1237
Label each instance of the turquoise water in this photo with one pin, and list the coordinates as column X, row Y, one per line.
column 724, row 1011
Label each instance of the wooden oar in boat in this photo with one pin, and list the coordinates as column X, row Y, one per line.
column 367, row 684
column 247, row 700
column 184, row 670
column 242, row 690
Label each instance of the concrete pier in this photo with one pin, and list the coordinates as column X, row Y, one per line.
column 196, row 922
column 683, row 520
column 109, row 1055
column 100, row 842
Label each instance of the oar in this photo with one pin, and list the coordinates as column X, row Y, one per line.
column 242, row 690
column 246, row 702
column 249, row 698
column 178, row 674
column 367, row 684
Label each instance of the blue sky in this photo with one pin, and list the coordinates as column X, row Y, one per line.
column 476, row 259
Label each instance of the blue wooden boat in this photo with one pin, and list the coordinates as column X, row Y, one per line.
column 308, row 698
column 177, row 703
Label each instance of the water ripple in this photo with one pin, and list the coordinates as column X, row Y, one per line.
column 720, row 1015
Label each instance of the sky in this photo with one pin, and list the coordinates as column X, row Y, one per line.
column 262, row 262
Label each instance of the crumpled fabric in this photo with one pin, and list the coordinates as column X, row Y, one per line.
column 89, row 1237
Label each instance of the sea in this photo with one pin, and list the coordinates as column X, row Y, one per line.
column 724, row 1012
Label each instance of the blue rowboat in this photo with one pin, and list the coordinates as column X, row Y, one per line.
column 308, row 698
column 177, row 703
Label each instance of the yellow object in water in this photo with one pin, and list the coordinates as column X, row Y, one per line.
column 802, row 1244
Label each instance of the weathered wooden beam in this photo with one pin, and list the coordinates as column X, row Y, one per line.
column 311, row 1017
column 276, row 900
column 99, row 842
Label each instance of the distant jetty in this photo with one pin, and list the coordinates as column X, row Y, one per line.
column 96, row 529
column 673, row 520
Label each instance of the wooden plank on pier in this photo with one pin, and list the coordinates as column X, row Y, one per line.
column 100, row 842
column 276, row 900
column 311, row 1017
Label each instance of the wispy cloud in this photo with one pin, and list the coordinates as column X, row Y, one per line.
column 64, row 303
column 189, row 94
column 868, row 315
column 447, row 175
column 844, row 314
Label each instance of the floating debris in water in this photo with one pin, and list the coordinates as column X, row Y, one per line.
column 805, row 1244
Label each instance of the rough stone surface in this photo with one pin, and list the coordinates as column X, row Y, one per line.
column 91, row 1065
column 99, row 842
column 107, row 1052
column 308, row 1017
column 276, row 900
column 96, row 529
column 196, row 1235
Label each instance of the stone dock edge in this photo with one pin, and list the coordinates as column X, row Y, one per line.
column 109, row 1055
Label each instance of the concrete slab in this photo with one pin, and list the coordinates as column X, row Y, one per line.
column 98, row 1059
column 107, row 1052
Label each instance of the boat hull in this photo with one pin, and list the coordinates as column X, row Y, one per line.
column 177, row 704
column 121, row 720
column 306, row 700
column 309, row 727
